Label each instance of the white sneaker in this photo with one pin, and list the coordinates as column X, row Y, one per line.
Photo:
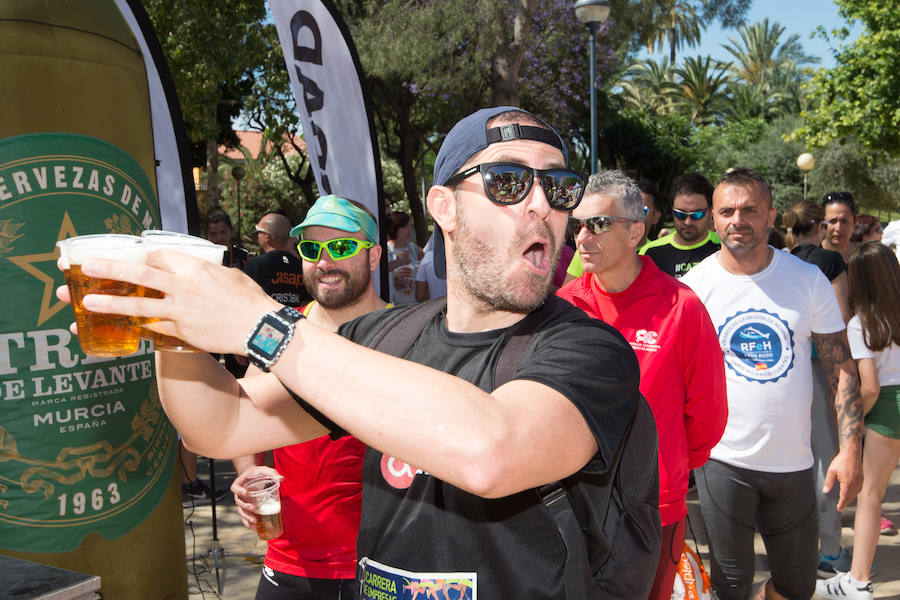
column 840, row 587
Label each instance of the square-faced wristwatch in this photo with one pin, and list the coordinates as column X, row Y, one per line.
column 271, row 335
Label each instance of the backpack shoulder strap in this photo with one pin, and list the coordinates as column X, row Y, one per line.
column 399, row 335
column 577, row 574
column 514, row 351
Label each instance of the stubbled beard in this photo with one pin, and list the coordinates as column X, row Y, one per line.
column 482, row 265
column 743, row 247
column 354, row 287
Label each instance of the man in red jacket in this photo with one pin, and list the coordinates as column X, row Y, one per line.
column 682, row 370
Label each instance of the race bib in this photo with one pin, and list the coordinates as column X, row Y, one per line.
column 381, row 582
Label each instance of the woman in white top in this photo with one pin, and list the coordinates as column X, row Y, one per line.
column 874, row 334
column 403, row 258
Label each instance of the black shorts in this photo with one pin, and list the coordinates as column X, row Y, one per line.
column 274, row 585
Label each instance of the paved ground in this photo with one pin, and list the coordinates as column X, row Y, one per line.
column 240, row 559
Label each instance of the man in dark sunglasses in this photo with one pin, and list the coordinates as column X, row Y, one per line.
column 454, row 464
column 692, row 240
column 682, row 370
column 277, row 270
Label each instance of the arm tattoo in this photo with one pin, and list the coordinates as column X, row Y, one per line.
column 843, row 383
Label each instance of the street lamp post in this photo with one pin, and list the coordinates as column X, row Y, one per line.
column 805, row 162
column 238, row 173
column 593, row 13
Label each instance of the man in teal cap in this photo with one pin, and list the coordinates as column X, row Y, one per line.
column 315, row 557
column 338, row 213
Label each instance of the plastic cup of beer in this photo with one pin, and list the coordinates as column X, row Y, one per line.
column 156, row 239
column 265, row 494
column 102, row 334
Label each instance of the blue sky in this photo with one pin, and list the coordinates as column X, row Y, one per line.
column 797, row 16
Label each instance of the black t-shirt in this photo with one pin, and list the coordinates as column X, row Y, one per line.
column 280, row 274
column 830, row 262
column 677, row 260
column 417, row 530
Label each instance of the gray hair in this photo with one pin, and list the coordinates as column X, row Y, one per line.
column 617, row 185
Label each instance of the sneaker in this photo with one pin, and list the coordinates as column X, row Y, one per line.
column 197, row 491
column 887, row 528
column 829, row 566
column 840, row 587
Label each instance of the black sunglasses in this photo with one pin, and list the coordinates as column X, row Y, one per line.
column 839, row 198
column 597, row 224
column 509, row 183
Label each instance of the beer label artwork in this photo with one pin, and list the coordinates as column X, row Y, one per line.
column 84, row 444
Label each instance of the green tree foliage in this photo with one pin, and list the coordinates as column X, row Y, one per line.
column 845, row 164
column 860, row 96
column 702, row 84
column 756, row 144
column 768, row 70
column 680, row 23
column 266, row 187
column 212, row 49
column 648, row 145
column 649, row 85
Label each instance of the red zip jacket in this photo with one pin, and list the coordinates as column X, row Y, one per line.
column 682, row 369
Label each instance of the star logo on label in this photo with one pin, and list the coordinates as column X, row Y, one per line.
column 42, row 266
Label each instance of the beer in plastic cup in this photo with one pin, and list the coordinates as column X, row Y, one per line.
column 265, row 495
column 156, row 239
column 102, row 334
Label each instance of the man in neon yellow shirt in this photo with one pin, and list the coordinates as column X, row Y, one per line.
column 692, row 240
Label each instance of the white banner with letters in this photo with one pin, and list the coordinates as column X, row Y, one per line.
column 335, row 113
column 174, row 182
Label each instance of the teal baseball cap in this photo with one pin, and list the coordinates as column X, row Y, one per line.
column 338, row 213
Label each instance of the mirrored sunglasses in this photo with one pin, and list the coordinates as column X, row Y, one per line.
column 597, row 224
column 682, row 215
column 509, row 183
column 338, row 248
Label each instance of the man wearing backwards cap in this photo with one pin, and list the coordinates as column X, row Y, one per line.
column 315, row 557
column 452, row 464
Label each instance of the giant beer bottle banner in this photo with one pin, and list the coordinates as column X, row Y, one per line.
column 84, row 444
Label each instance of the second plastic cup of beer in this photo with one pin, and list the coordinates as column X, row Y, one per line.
column 102, row 334
column 188, row 244
column 265, row 494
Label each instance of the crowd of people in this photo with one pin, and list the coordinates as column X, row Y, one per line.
column 773, row 377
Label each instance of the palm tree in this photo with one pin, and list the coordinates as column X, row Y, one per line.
column 679, row 25
column 775, row 68
column 760, row 52
column 649, row 85
column 702, row 83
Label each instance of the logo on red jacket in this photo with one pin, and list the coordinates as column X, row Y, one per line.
column 397, row 473
column 645, row 339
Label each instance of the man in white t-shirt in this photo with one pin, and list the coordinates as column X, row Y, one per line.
column 768, row 308
column 428, row 284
